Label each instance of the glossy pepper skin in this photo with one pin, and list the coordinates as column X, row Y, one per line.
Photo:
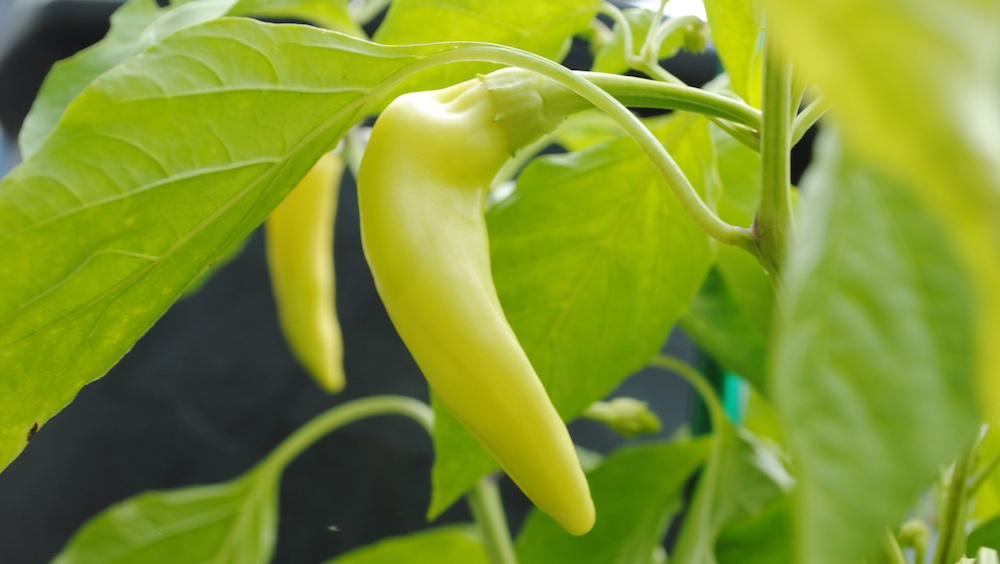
column 300, row 259
column 422, row 187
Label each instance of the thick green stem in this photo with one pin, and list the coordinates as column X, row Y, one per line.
column 951, row 526
column 487, row 509
column 342, row 415
column 772, row 226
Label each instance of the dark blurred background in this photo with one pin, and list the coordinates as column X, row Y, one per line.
column 211, row 389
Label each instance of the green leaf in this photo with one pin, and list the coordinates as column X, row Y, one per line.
column 872, row 363
column 761, row 419
column 328, row 14
column 739, row 170
column 763, row 538
column 594, row 261
column 456, row 543
column 105, row 227
column 914, row 84
column 585, row 129
column 137, row 25
column 611, row 56
column 742, row 478
column 543, row 27
column 735, row 26
column 716, row 322
column 986, row 535
column 134, row 26
column 985, row 504
column 731, row 316
column 235, row 522
column 637, row 490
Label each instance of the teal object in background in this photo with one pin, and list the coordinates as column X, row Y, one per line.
column 732, row 391
column 734, row 396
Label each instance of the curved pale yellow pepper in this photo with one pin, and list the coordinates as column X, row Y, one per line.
column 300, row 258
column 423, row 183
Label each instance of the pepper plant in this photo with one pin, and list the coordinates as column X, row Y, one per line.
column 860, row 309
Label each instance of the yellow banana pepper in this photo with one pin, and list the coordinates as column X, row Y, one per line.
column 300, row 258
column 422, row 187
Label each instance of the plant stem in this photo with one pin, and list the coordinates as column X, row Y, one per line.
column 891, row 550
column 697, row 535
column 648, row 63
column 342, row 415
column 621, row 22
column 697, row 381
column 951, row 526
column 807, row 118
column 666, row 95
column 772, row 226
column 748, row 137
column 655, row 71
column 487, row 509
column 663, row 32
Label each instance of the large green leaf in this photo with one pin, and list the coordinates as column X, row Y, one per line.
column 540, row 26
column 764, row 538
column 742, row 478
column 637, row 491
column 735, row 28
column 234, row 522
column 110, row 221
column 915, row 85
column 329, row 14
column 985, row 503
column 594, row 262
column 455, row 543
column 588, row 128
column 985, row 535
column 719, row 326
column 139, row 24
column 872, row 363
column 231, row 522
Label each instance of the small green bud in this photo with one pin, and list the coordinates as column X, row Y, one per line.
column 627, row 417
column 915, row 534
column 696, row 37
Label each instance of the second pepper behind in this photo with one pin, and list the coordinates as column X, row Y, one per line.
column 300, row 259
